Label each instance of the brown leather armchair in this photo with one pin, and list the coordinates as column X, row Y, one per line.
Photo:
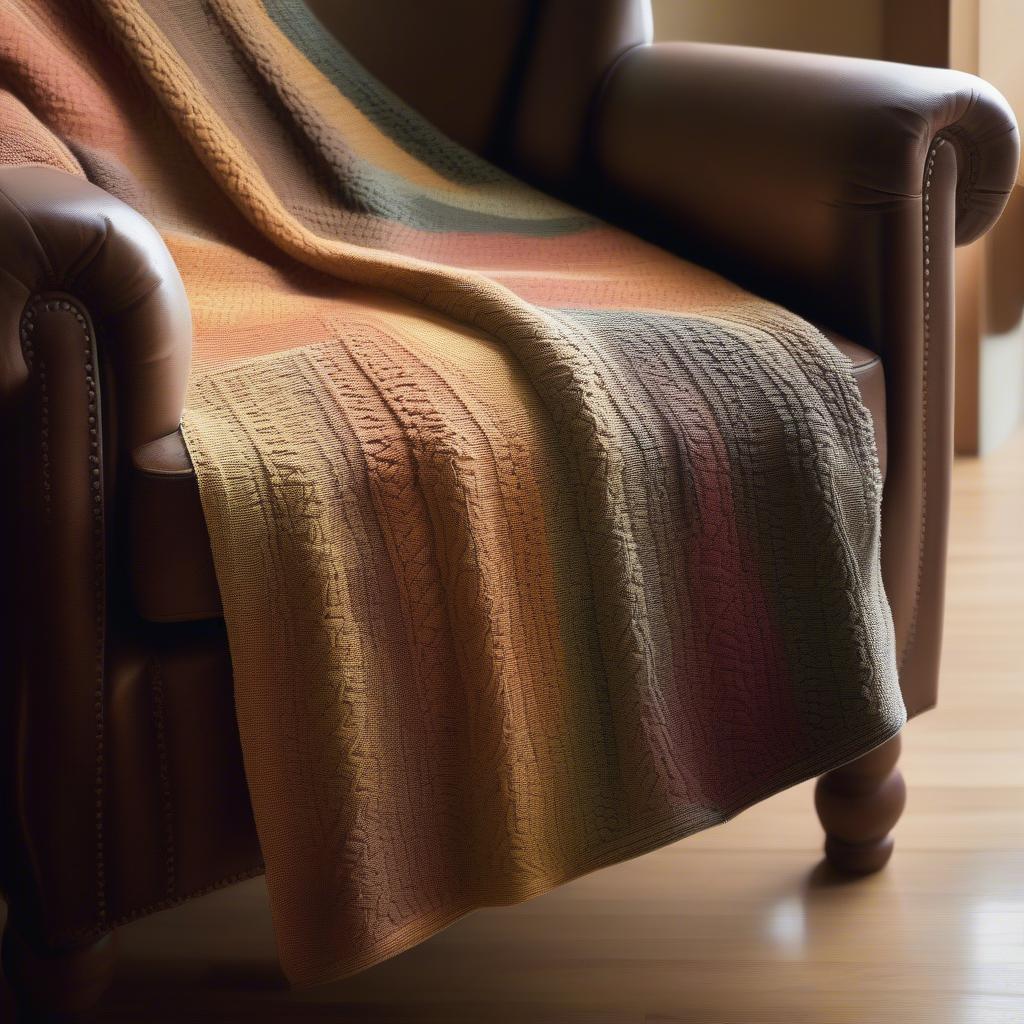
column 836, row 186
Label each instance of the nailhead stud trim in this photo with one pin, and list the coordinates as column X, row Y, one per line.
column 926, row 347
column 29, row 320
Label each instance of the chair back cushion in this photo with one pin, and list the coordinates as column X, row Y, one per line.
column 513, row 80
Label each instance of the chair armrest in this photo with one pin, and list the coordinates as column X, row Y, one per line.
column 95, row 343
column 61, row 234
column 770, row 165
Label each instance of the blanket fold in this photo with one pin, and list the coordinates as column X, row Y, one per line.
column 538, row 546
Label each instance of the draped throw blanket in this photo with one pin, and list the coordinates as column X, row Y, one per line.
column 538, row 546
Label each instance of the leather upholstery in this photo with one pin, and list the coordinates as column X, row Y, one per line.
column 172, row 574
column 817, row 181
column 574, row 45
column 173, row 578
column 535, row 68
column 823, row 137
column 60, row 233
column 177, row 808
column 470, row 41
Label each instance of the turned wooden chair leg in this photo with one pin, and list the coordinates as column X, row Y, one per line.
column 858, row 804
column 57, row 985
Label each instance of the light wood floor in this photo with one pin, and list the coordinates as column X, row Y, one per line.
column 737, row 925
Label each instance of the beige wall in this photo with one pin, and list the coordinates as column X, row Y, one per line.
column 1001, row 360
column 1001, row 48
column 853, row 27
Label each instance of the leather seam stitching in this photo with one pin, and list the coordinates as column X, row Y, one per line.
column 163, row 760
column 27, row 326
column 81, row 935
column 221, row 883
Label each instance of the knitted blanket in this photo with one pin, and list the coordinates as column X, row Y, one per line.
column 538, row 546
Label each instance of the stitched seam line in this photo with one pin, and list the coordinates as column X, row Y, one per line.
column 222, row 883
column 926, row 346
column 90, row 375
column 82, row 934
column 167, row 807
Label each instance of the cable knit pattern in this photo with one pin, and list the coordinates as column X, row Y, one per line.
column 538, row 546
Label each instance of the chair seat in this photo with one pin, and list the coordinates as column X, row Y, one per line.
column 172, row 568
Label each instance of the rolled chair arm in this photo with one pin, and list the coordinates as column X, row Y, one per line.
column 95, row 343
column 767, row 163
column 61, row 234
